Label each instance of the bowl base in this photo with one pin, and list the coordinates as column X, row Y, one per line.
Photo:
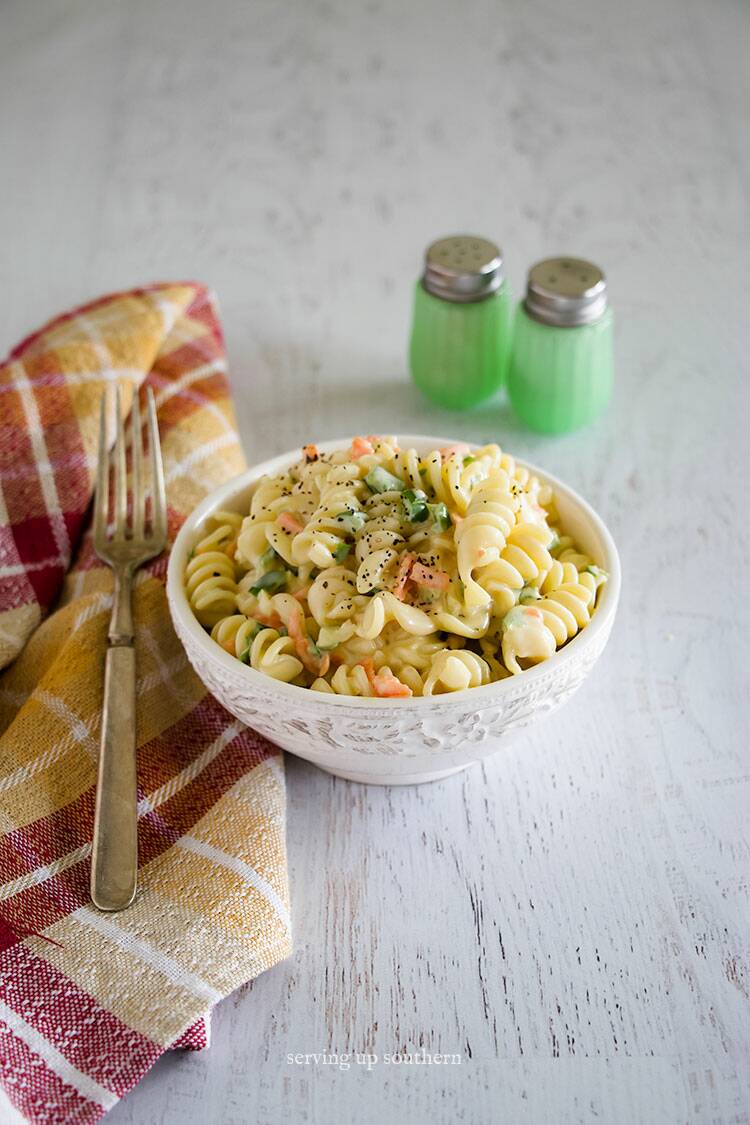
column 395, row 778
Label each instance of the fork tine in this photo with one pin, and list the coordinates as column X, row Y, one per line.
column 139, row 495
column 101, row 496
column 159, row 496
column 121, row 479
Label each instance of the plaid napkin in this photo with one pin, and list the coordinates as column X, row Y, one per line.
column 88, row 1001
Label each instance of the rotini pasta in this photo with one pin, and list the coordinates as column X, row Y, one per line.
column 380, row 572
column 210, row 581
column 385, row 607
column 456, row 670
column 273, row 654
column 482, row 535
column 236, row 634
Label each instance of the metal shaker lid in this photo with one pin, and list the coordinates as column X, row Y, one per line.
column 463, row 268
column 566, row 292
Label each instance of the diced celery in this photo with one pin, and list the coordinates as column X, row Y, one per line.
column 272, row 580
column 440, row 516
column 245, row 655
column 415, row 505
column 267, row 557
column 270, row 557
column 600, row 575
column 380, row 480
column 351, row 521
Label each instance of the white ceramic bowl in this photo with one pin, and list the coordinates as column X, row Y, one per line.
column 398, row 742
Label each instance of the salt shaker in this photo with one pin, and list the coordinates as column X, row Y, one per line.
column 460, row 339
column 562, row 366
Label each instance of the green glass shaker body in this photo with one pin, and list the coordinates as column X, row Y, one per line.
column 461, row 329
column 561, row 367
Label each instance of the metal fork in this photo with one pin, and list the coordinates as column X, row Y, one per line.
column 125, row 545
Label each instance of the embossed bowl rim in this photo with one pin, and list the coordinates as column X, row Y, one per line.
column 226, row 497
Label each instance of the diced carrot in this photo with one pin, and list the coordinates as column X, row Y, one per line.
column 361, row 446
column 290, row 522
column 402, row 576
column 296, row 624
column 369, row 668
column 390, row 687
column 310, row 452
column 272, row 621
column 319, row 665
column 430, row 576
column 384, row 685
column 228, row 646
column 301, row 595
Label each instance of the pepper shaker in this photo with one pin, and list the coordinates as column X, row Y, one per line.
column 562, row 366
column 460, row 339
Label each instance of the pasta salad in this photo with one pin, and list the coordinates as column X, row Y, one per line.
column 377, row 571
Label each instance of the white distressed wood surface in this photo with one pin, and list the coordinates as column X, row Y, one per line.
column 573, row 917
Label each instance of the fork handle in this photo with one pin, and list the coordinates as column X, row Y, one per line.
column 114, row 860
column 121, row 621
